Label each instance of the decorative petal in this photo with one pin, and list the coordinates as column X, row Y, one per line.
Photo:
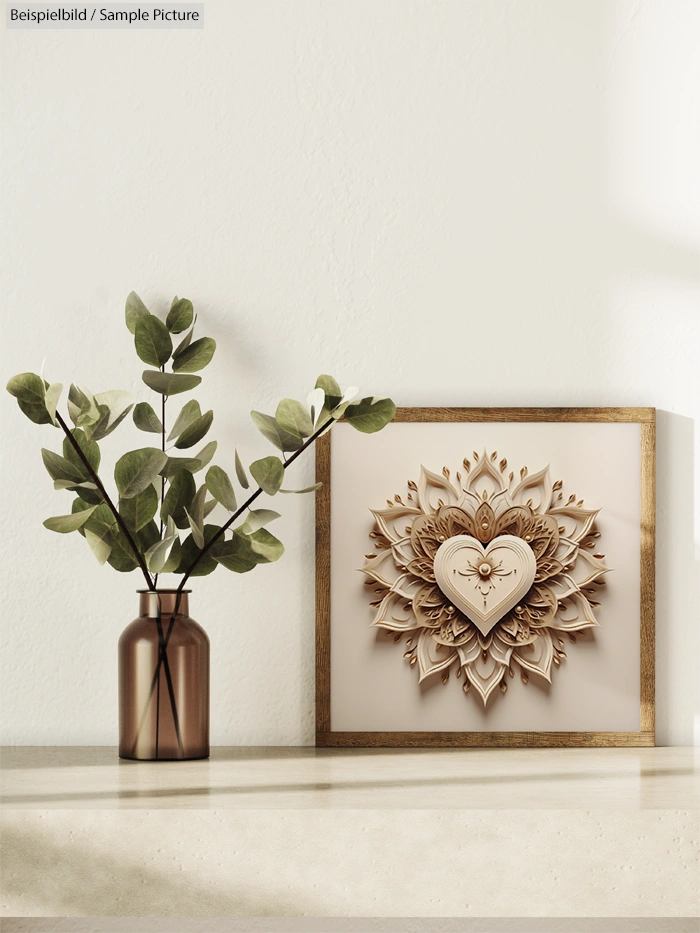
column 434, row 490
column 432, row 657
column 485, row 478
column 395, row 613
column 485, row 676
column 392, row 521
column 500, row 651
column 382, row 568
column 576, row 522
column 423, row 568
column 469, row 652
column 535, row 491
column 537, row 657
column 566, row 552
column 575, row 614
column 429, row 606
column 402, row 552
column 587, row 568
column 563, row 586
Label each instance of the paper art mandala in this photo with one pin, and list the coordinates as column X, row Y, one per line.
column 485, row 572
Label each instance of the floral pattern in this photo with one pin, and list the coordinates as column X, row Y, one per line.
column 485, row 501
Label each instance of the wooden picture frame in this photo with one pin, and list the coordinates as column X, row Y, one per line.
column 325, row 737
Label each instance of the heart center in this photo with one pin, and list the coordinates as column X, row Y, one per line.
column 485, row 582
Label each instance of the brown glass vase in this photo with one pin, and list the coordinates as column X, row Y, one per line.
column 163, row 682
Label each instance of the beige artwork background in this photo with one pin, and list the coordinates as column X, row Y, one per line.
column 597, row 687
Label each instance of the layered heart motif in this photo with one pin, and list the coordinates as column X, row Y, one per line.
column 485, row 582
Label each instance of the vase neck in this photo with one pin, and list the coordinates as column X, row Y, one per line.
column 149, row 603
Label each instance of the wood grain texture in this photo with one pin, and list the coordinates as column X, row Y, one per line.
column 326, row 738
column 606, row 415
column 484, row 739
column 323, row 584
column 647, row 578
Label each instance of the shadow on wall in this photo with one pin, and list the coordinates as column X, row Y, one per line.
column 675, row 559
column 45, row 878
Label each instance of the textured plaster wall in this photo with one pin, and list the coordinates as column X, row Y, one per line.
column 474, row 203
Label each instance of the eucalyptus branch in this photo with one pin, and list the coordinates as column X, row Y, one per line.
column 224, row 528
column 219, row 534
column 98, row 482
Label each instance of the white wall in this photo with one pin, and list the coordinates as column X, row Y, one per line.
column 474, row 203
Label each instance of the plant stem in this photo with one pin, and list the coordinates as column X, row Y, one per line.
column 162, row 479
column 224, row 528
column 161, row 656
column 98, row 482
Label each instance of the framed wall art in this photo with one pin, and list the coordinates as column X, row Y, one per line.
column 485, row 577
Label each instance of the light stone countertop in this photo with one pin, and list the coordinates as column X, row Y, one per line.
column 297, row 778
column 303, row 833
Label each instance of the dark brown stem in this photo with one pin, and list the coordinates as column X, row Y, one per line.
column 207, row 547
column 224, row 528
column 98, row 482
column 162, row 479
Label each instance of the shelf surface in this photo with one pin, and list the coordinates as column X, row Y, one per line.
column 340, row 833
column 297, row 778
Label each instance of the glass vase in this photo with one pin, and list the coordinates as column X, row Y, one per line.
column 163, row 682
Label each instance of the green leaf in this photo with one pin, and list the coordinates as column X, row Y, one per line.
column 70, row 484
column 29, row 390
column 268, row 473
column 173, row 561
column 121, row 556
column 152, row 340
column 51, row 399
column 196, row 516
column 315, row 401
column 89, row 448
column 333, row 396
column 190, row 552
column 146, row 419
column 138, row 510
column 180, row 315
column 205, row 454
column 235, row 555
column 100, row 519
column 194, row 357
column 100, row 542
column 137, row 469
column 299, row 491
column 60, row 468
column 186, row 341
column 175, row 464
column 266, row 547
column 209, row 507
column 291, row 416
column 79, row 505
column 134, row 310
column 188, row 415
column 241, row 473
column 158, row 554
column 64, row 524
column 113, row 406
column 180, row 494
column 330, row 387
column 195, row 432
column 169, row 383
column 370, row 414
column 275, row 434
column 256, row 519
column 82, row 407
column 147, row 537
column 219, row 485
